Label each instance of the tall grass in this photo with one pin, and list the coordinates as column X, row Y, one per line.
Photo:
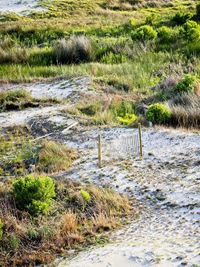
column 185, row 111
column 74, row 50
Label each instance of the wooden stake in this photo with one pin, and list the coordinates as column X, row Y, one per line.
column 140, row 140
column 99, row 151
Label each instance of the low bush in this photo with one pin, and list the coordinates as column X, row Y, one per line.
column 76, row 49
column 158, row 113
column 128, row 119
column 165, row 34
column 187, row 84
column 191, row 31
column 144, row 33
column 180, row 18
column 34, row 194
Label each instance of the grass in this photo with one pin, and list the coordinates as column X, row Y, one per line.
column 20, row 155
column 71, row 223
column 18, row 99
column 185, row 110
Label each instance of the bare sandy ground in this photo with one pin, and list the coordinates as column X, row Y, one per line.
column 166, row 182
column 19, row 6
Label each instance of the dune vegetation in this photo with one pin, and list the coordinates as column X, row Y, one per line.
column 144, row 61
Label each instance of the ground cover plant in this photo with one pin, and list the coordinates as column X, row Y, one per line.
column 20, row 154
column 18, row 99
column 76, row 214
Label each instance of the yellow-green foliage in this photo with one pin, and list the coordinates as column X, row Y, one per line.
column 127, row 119
column 86, row 196
column 34, row 194
column 187, row 84
column 158, row 113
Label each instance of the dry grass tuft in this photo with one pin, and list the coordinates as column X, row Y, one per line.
column 68, row 224
column 185, row 111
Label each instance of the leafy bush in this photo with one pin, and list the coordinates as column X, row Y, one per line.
column 180, row 18
column 158, row 113
column 127, row 119
column 74, row 50
column 186, row 84
column 144, row 33
column 191, row 31
column 34, row 194
column 165, row 34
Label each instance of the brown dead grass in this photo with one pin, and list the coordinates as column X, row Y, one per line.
column 72, row 222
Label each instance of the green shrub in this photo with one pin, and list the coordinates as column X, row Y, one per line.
column 191, row 31
column 76, row 49
column 34, row 194
column 158, row 113
column 127, row 119
column 85, row 195
column 1, row 229
column 165, row 34
column 186, row 84
column 122, row 108
column 144, row 33
column 180, row 18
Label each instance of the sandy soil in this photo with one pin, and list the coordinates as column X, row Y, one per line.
column 167, row 183
column 19, row 6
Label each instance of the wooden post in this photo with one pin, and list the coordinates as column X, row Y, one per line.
column 99, row 151
column 140, row 140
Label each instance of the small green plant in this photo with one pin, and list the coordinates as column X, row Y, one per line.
column 112, row 58
column 33, row 194
column 127, row 119
column 158, row 113
column 85, row 195
column 144, row 33
column 165, row 34
column 191, row 31
column 186, row 84
column 13, row 242
column 1, row 229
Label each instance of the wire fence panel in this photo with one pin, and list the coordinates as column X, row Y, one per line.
column 122, row 147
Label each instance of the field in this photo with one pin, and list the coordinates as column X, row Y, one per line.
column 69, row 71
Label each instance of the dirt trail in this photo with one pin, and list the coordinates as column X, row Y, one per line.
column 167, row 182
